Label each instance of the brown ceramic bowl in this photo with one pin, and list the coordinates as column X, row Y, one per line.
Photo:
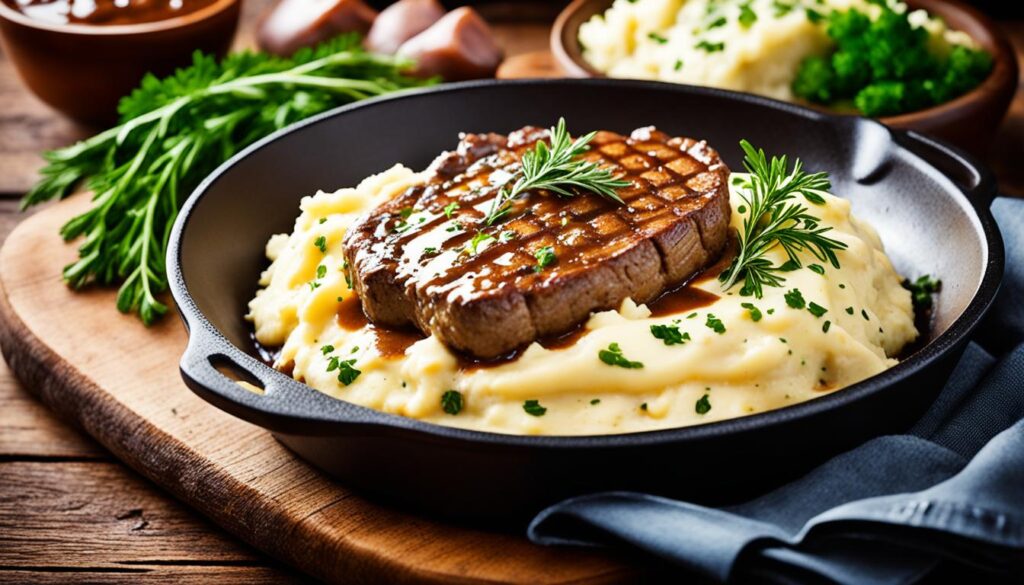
column 969, row 121
column 83, row 70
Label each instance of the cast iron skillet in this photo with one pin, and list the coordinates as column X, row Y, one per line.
column 928, row 201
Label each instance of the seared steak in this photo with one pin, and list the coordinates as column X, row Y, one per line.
column 426, row 258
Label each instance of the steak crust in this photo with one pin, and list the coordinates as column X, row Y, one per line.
column 413, row 264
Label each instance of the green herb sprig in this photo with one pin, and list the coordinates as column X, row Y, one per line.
column 557, row 169
column 173, row 132
column 774, row 219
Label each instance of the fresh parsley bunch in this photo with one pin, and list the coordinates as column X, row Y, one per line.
column 885, row 66
column 173, row 132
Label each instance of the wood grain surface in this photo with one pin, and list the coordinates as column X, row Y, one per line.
column 70, row 490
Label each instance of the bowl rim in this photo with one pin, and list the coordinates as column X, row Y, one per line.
column 199, row 327
column 1001, row 79
column 90, row 30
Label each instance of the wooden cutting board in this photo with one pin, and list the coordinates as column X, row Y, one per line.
column 119, row 381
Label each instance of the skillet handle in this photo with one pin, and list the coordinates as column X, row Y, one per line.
column 249, row 389
column 972, row 177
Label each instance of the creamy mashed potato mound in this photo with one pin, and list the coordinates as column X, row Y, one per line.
column 788, row 356
column 715, row 43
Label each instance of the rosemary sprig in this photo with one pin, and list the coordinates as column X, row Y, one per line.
column 557, row 169
column 773, row 219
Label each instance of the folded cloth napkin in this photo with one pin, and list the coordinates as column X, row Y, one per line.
column 950, row 491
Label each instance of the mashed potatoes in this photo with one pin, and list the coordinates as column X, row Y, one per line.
column 737, row 360
column 754, row 46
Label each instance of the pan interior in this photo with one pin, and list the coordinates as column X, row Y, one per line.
column 927, row 228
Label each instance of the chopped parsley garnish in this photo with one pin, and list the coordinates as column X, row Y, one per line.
column 326, row 349
column 813, row 16
column 322, row 220
column 450, row 209
column 314, row 285
column 321, row 271
column 816, row 309
column 479, row 239
column 826, row 325
column 755, row 313
column 321, row 243
column 429, row 251
column 849, row 310
column 507, row 236
column 678, row 65
column 715, row 324
column 703, row 404
column 921, row 290
column 408, row 224
column 545, row 257
column 747, row 15
column 864, row 314
column 718, row 22
column 710, row 47
column 346, row 373
column 669, row 334
column 816, row 268
column 595, row 401
column 691, row 315
column 451, row 402
column 613, row 357
column 533, row 408
column 657, row 38
column 405, row 212
column 781, row 8
column 795, row 299
column 455, row 227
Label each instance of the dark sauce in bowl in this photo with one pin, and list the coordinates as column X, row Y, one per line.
column 105, row 12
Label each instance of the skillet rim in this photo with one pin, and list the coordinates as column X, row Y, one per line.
column 202, row 332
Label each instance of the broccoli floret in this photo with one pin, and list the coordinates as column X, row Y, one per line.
column 886, row 66
column 884, row 98
column 851, row 71
column 814, row 81
column 849, row 24
column 965, row 69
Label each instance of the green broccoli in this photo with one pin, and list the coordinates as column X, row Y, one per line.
column 885, row 66
column 814, row 81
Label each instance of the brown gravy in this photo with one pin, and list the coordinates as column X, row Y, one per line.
column 392, row 343
column 683, row 298
column 350, row 314
column 105, row 12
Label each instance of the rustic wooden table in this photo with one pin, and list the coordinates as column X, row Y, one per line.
column 69, row 511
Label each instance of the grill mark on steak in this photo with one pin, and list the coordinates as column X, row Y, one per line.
column 410, row 266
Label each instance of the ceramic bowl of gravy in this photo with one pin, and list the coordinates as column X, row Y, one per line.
column 82, row 56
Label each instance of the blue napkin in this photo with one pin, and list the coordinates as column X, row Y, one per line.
column 894, row 510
